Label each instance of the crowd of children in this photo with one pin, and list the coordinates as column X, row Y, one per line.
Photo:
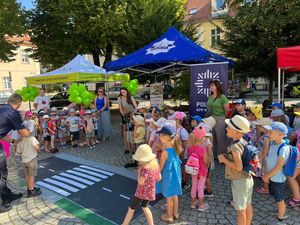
column 183, row 149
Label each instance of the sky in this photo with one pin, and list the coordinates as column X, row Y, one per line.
column 26, row 3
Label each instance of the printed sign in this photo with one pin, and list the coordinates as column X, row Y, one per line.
column 156, row 95
column 162, row 46
column 200, row 76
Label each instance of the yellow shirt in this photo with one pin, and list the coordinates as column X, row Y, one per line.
column 140, row 133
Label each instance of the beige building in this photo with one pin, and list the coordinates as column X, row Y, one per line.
column 12, row 74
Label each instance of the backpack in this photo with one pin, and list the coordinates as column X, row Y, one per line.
column 290, row 166
column 249, row 158
column 192, row 165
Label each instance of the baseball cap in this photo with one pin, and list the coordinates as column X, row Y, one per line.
column 277, row 112
column 45, row 117
column 160, row 122
column 72, row 110
column 179, row 115
column 257, row 111
column 197, row 118
column 297, row 113
column 296, row 105
column 199, row 132
column 88, row 112
column 240, row 101
column 168, row 130
column 281, row 127
column 28, row 113
column 277, row 105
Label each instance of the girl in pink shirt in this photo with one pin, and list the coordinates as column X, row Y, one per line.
column 194, row 145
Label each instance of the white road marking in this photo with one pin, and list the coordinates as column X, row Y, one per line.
column 53, row 188
column 91, row 173
column 66, row 180
column 84, row 175
column 77, row 178
column 105, row 189
column 65, row 186
column 42, row 167
column 123, row 196
column 97, row 170
column 51, row 170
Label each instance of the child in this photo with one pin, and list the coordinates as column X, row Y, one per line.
column 89, row 129
column 37, row 128
column 129, row 136
column 73, row 123
column 263, row 147
column 241, row 182
column 46, row 133
column 195, row 120
column 154, row 138
column 94, row 116
column 139, row 130
column 239, row 108
column 274, row 175
column 81, row 125
column 148, row 175
column 170, row 184
column 29, row 122
column 254, row 115
column 62, row 129
column 52, row 129
column 28, row 147
column 194, row 146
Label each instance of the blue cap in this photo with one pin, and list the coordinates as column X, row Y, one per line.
column 277, row 105
column 277, row 112
column 168, row 130
column 240, row 101
column 281, row 127
column 197, row 118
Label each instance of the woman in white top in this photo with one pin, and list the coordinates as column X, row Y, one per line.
column 42, row 101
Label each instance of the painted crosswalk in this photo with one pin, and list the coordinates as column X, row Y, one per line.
column 74, row 180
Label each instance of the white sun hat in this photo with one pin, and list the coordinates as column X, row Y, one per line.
column 139, row 119
column 142, row 105
column 144, row 153
column 160, row 122
column 210, row 121
column 239, row 123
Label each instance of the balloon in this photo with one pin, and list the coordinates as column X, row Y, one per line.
column 19, row 92
column 91, row 96
column 86, row 102
column 126, row 85
column 78, row 100
column 81, row 88
column 72, row 98
column 85, row 95
column 75, row 93
column 135, row 81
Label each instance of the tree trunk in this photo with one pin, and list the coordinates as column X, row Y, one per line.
column 96, row 58
column 108, row 53
column 271, row 89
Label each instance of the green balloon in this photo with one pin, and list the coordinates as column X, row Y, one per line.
column 91, row 96
column 19, row 92
column 25, row 99
column 126, row 85
column 85, row 95
column 78, row 100
column 71, row 98
column 86, row 102
column 81, row 88
column 75, row 93
column 135, row 81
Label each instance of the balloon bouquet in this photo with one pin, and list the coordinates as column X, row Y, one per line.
column 28, row 93
column 132, row 86
column 80, row 95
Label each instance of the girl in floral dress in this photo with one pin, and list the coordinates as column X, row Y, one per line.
column 148, row 175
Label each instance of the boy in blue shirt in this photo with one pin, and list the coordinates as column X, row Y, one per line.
column 275, row 162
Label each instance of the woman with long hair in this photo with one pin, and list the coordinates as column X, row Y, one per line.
column 218, row 107
column 127, row 106
column 102, row 107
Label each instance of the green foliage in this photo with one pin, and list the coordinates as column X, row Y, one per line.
column 182, row 86
column 12, row 21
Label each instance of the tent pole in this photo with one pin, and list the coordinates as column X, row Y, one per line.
column 282, row 94
column 279, row 71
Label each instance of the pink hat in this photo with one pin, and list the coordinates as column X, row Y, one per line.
column 199, row 132
column 150, row 120
column 28, row 113
column 81, row 112
column 179, row 115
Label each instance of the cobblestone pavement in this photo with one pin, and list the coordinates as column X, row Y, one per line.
column 40, row 211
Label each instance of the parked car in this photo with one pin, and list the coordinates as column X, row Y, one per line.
column 4, row 95
column 167, row 93
column 60, row 100
column 292, row 90
column 113, row 92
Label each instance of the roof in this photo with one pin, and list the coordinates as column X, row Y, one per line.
column 289, row 58
column 24, row 39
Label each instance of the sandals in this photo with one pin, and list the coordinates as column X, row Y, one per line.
column 262, row 190
column 293, row 203
column 176, row 217
column 167, row 219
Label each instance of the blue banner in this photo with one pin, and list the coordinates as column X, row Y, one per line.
column 200, row 76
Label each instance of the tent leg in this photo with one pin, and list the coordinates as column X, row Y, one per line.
column 282, row 94
column 279, row 77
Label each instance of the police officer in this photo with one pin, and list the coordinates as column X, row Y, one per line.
column 10, row 119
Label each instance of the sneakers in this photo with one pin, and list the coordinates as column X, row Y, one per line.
column 208, row 194
column 277, row 221
column 204, row 208
column 262, row 190
column 12, row 198
column 5, row 208
column 185, row 186
column 33, row 193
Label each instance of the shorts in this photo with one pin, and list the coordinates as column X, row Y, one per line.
column 47, row 138
column 81, row 134
column 74, row 136
column 62, row 133
column 242, row 192
column 30, row 168
column 136, row 201
column 277, row 190
column 89, row 134
column 129, row 137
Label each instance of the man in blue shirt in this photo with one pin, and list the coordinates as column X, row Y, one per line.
column 10, row 119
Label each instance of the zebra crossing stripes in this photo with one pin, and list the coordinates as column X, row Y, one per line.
column 74, row 180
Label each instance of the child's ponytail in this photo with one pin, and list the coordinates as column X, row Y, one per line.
column 177, row 144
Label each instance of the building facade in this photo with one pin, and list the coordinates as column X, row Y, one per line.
column 12, row 74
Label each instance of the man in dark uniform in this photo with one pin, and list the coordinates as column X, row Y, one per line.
column 10, row 119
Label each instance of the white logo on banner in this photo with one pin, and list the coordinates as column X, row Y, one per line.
column 201, row 77
column 162, row 46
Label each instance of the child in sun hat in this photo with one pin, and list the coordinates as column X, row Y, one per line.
column 241, row 182
column 154, row 140
column 139, row 133
column 89, row 129
column 82, row 136
column 195, row 149
column 148, row 175
column 62, row 131
column 52, row 128
column 278, row 155
column 239, row 108
column 73, row 124
column 254, row 115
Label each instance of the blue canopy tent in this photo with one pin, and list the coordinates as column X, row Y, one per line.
column 169, row 50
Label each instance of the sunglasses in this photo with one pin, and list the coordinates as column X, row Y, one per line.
column 101, row 91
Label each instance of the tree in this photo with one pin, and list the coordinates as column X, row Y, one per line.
column 254, row 34
column 12, row 21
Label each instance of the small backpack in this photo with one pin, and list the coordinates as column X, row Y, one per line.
column 249, row 158
column 290, row 166
column 192, row 165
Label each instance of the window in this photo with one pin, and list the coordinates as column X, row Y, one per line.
column 193, row 11
column 215, row 37
column 24, row 56
column 7, row 83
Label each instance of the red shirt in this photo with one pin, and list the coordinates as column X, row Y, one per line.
column 52, row 127
column 147, row 190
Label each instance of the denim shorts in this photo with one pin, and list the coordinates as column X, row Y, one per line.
column 277, row 190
